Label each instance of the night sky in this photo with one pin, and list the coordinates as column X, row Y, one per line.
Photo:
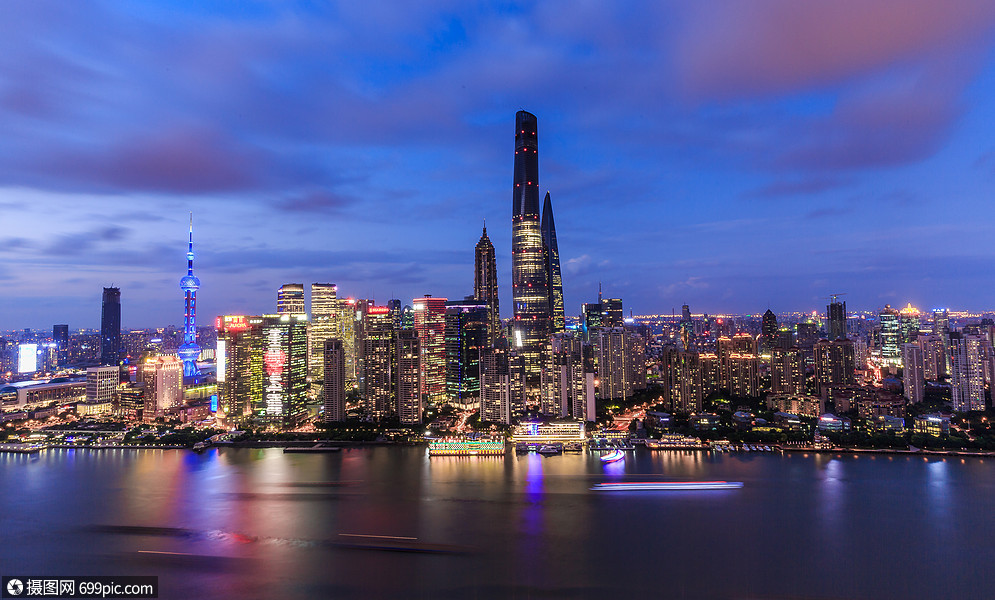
column 731, row 155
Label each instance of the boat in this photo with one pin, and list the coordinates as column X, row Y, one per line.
column 550, row 450
column 612, row 456
column 661, row 486
column 573, row 447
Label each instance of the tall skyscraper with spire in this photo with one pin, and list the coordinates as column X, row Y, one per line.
column 189, row 351
column 485, row 287
column 554, row 283
column 530, row 283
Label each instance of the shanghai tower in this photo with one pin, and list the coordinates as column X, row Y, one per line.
column 530, row 283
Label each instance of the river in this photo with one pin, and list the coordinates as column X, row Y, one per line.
column 390, row 522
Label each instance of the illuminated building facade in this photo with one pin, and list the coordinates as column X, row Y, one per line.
column 485, row 287
column 590, row 318
column 530, row 284
column 742, row 374
column 967, row 379
column 430, row 323
column 189, row 351
column 614, row 363
column 568, row 388
column 502, row 386
column 768, row 332
column 910, row 318
column 162, row 377
column 284, row 340
column 60, row 333
column 466, row 335
column 913, row 376
column 834, row 364
column 934, row 361
column 681, row 379
column 333, row 384
column 239, row 357
column 322, row 326
column 408, row 377
column 110, row 326
column 889, row 321
column 554, row 284
column 546, row 433
column 611, row 312
column 101, row 383
column 377, row 382
column 290, row 299
column 836, row 317
column 787, row 371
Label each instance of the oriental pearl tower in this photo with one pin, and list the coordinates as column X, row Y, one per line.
column 190, row 351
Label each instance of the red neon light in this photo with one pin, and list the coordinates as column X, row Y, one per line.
column 274, row 360
column 377, row 310
column 234, row 322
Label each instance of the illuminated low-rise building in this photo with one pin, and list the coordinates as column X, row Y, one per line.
column 932, row 424
column 806, row 406
column 544, row 433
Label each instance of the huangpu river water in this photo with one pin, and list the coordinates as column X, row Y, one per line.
column 390, row 522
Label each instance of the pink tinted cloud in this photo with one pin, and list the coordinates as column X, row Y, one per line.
column 737, row 48
column 181, row 160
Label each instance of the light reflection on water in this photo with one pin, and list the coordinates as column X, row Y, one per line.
column 261, row 523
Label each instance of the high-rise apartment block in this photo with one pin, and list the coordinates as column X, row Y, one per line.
column 967, row 380
column 568, row 378
column 787, row 371
column 834, row 364
column 913, row 378
column 408, row 377
column 333, row 380
column 681, row 379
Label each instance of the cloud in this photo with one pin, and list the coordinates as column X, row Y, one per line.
column 321, row 201
column 765, row 47
column 578, row 265
column 787, row 188
column 81, row 243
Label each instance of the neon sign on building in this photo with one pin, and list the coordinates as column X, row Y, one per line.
column 274, row 362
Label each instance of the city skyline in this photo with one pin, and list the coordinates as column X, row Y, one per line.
column 732, row 181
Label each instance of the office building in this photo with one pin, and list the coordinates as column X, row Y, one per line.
column 333, row 381
column 323, row 325
column 768, row 332
column 889, row 321
column 110, row 327
column 430, row 323
column 485, row 287
column 466, row 334
column 290, row 299
column 554, row 284
column 614, row 363
column 60, row 333
column 611, row 312
column 101, row 383
column 836, row 318
column 239, row 358
column 408, row 377
column 189, row 351
column 909, row 323
column 530, row 325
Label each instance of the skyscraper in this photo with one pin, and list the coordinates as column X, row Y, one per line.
column 913, row 377
column 378, row 362
column 284, row 345
column 768, row 332
column 189, row 351
column 60, row 333
column 466, row 336
column 554, row 282
column 408, row 376
column 530, row 284
column 967, row 378
column 485, row 287
column 430, row 323
column 110, row 327
column 322, row 326
column 836, row 316
column 333, row 385
column 890, row 322
column 239, row 357
column 290, row 299
column 162, row 377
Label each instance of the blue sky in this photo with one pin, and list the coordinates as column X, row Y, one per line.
column 731, row 155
